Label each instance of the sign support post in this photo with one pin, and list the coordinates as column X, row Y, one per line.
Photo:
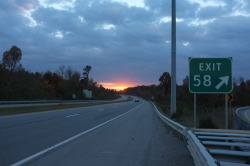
column 230, row 100
column 226, row 112
column 194, row 110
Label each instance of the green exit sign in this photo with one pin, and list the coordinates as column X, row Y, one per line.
column 210, row 75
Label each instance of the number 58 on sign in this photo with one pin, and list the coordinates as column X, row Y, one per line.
column 210, row 75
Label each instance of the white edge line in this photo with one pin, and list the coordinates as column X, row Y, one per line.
column 68, row 140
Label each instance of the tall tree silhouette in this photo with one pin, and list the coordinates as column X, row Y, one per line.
column 11, row 58
column 86, row 74
column 165, row 81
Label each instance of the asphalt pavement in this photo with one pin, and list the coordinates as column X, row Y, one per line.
column 126, row 133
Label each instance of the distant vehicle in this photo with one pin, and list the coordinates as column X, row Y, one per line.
column 136, row 100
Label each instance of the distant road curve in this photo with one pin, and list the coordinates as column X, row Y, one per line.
column 247, row 114
column 244, row 113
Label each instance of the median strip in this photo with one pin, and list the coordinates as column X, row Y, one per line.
column 20, row 110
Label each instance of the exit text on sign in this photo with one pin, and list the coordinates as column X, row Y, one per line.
column 210, row 75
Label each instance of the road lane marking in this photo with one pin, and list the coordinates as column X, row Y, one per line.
column 23, row 161
column 101, row 109
column 72, row 115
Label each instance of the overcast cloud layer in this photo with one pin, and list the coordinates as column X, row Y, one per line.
column 125, row 40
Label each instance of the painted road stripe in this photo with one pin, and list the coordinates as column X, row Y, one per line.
column 72, row 115
column 21, row 162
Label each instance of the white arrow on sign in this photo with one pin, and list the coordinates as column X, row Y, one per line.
column 224, row 80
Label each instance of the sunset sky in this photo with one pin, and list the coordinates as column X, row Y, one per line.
column 127, row 42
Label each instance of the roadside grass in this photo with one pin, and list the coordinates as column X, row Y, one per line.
column 206, row 117
column 32, row 109
column 214, row 118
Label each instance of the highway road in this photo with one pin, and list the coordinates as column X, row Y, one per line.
column 126, row 133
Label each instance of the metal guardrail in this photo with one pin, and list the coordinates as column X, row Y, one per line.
column 43, row 101
column 228, row 147
column 204, row 156
column 199, row 152
column 176, row 126
column 7, row 104
column 240, row 122
column 200, row 155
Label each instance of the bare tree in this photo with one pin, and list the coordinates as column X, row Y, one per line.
column 62, row 71
column 68, row 73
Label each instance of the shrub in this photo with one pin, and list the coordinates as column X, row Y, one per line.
column 207, row 123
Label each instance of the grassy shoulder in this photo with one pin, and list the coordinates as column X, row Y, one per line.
column 32, row 109
column 206, row 117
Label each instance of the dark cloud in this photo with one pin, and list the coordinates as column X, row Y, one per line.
column 125, row 42
column 212, row 12
column 52, row 19
column 159, row 6
column 162, row 7
column 103, row 12
column 185, row 9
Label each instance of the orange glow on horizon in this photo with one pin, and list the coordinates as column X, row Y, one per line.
column 119, row 87
column 116, row 86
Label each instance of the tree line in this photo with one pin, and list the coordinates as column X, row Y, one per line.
column 17, row 83
column 161, row 94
